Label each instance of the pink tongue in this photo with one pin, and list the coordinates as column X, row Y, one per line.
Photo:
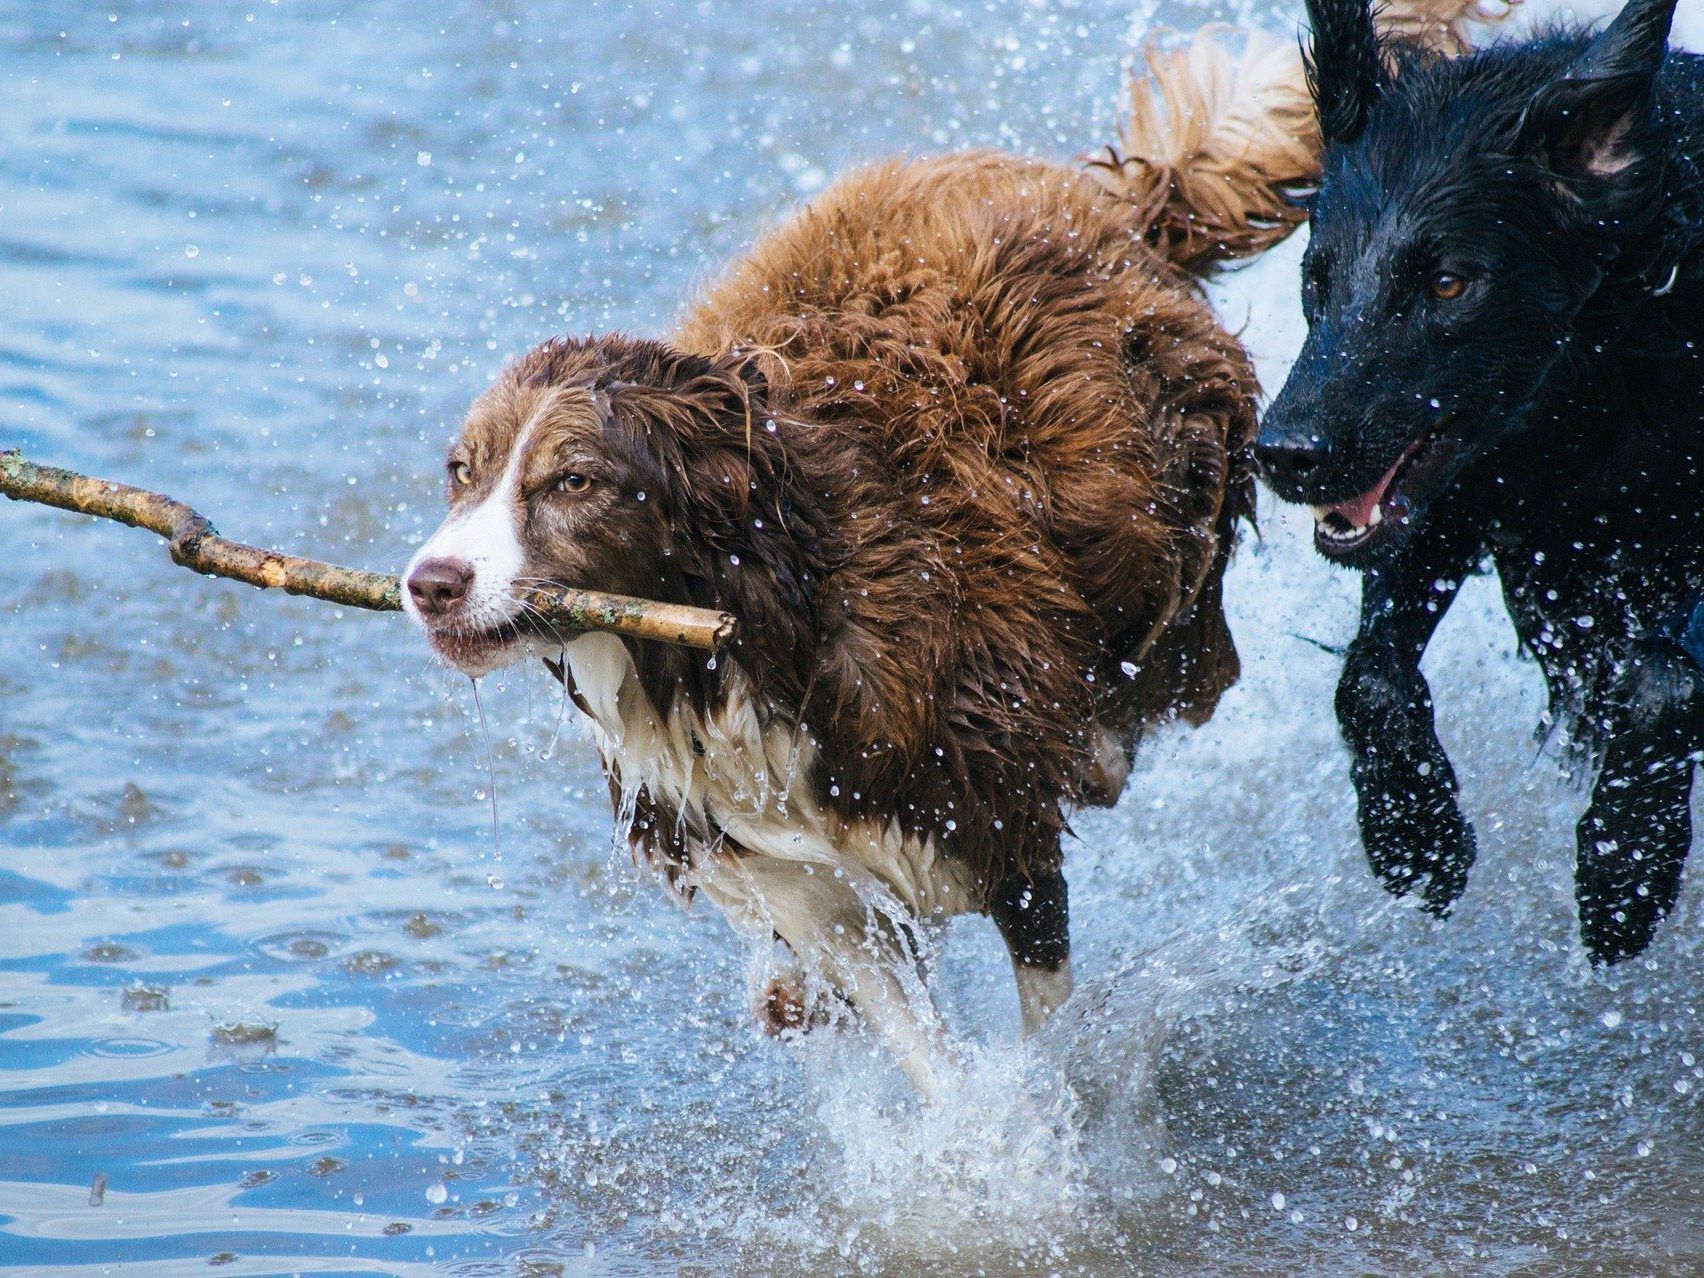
column 1358, row 510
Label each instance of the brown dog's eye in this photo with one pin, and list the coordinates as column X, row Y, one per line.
column 1446, row 287
column 573, row 483
column 461, row 473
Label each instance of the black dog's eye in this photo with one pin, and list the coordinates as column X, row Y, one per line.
column 573, row 483
column 461, row 473
column 1446, row 286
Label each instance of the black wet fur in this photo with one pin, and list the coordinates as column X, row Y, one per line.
column 1547, row 418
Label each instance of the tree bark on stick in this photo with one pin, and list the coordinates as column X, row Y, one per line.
column 195, row 544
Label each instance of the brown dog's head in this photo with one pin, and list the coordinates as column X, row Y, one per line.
column 578, row 467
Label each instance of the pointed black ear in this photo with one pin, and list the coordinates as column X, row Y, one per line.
column 1588, row 124
column 1343, row 66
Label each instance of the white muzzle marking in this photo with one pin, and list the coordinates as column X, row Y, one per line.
column 487, row 537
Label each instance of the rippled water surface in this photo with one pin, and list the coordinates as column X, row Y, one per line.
column 272, row 1001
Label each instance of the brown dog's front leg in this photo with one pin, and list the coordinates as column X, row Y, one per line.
column 1032, row 913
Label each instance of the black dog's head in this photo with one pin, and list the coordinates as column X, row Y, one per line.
column 1469, row 212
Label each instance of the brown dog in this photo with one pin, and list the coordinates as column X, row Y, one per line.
column 964, row 450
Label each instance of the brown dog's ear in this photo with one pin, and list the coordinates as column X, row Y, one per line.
column 1343, row 65
column 744, row 366
column 694, row 438
column 1590, row 122
column 691, row 437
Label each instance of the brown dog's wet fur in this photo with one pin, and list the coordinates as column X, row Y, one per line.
column 952, row 446
column 964, row 451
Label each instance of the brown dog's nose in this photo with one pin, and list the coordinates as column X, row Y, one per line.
column 438, row 585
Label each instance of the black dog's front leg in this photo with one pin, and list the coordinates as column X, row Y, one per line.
column 1634, row 837
column 1412, row 829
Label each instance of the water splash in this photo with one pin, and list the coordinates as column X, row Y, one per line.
column 1042, row 1150
column 986, row 1174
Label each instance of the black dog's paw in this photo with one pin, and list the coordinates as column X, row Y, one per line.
column 1626, row 885
column 1419, row 843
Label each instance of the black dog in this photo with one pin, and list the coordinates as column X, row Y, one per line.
column 1505, row 304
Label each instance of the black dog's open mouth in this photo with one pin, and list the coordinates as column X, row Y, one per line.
column 1345, row 527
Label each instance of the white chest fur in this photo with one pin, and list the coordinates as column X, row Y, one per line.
column 746, row 774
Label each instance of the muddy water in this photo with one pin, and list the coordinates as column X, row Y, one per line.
column 272, row 1001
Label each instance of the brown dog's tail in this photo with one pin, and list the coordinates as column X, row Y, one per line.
column 1221, row 137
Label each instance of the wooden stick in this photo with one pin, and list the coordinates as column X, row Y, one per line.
column 195, row 544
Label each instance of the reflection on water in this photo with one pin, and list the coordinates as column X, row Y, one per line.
column 268, row 1000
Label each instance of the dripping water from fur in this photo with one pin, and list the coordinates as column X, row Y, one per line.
column 490, row 771
column 562, row 706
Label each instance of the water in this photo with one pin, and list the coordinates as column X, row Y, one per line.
column 268, row 994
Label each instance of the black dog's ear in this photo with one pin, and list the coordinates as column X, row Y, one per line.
column 1588, row 123
column 1343, row 66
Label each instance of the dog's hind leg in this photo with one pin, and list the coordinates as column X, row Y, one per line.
column 1412, row 829
column 1032, row 914
column 1634, row 837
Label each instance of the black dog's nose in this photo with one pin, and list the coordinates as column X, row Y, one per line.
column 438, row 585
column 1289, row 462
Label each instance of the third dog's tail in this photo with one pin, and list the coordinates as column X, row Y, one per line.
column 1221, row 139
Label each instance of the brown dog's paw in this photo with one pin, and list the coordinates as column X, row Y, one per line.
column 788, row 1006
column 784, row 1006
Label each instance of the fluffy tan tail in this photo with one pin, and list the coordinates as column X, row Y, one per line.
column 1221, row 133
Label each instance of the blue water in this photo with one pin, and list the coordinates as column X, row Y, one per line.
column 272, row 1001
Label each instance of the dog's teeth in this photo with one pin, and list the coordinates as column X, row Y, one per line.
column 1319, row 513
column 1377, row 516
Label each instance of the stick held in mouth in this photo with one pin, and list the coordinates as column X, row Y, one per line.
column 195, row 544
